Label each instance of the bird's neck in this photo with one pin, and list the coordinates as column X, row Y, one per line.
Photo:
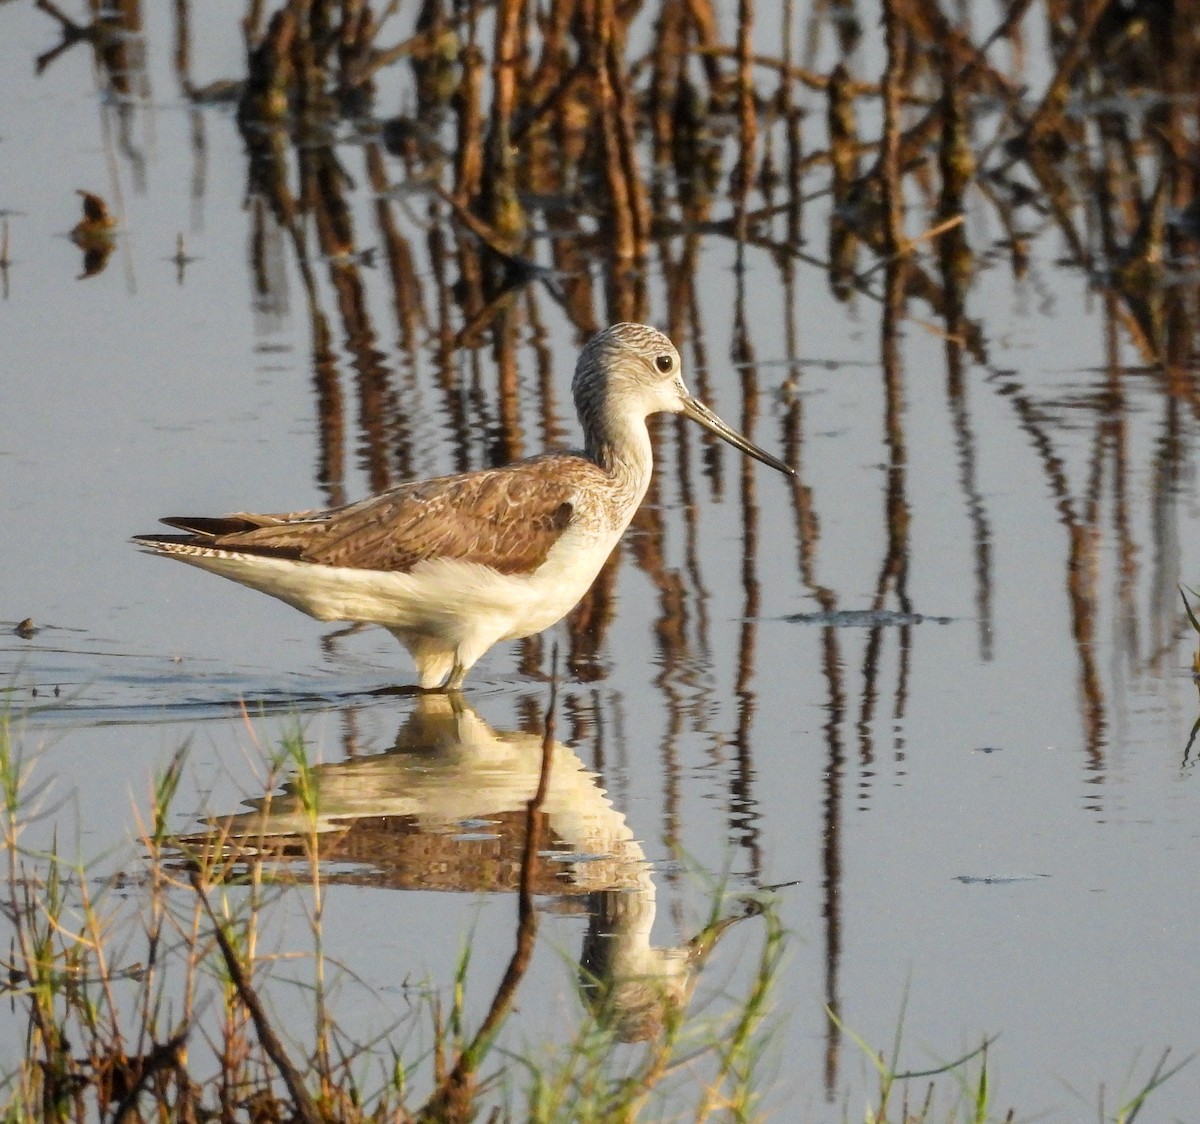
column 621, row 446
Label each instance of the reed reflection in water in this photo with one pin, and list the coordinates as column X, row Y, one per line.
column 559, row 165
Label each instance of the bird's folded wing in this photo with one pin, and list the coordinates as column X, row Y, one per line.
column 506, row 518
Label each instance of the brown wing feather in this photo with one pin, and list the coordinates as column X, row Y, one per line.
column 229, row 524
column 507, row 518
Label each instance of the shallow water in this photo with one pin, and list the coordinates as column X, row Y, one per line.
column 939, row 694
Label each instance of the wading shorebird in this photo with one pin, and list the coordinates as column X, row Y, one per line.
column 451, row 566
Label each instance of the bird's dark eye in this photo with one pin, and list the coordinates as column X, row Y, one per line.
column 664, row 363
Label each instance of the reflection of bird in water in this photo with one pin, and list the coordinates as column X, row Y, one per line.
column 446, row 809
column 632, row 986
column 456, row 564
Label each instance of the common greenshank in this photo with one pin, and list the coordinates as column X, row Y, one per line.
column 452, row 565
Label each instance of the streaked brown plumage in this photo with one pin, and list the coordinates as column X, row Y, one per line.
column 466, row 517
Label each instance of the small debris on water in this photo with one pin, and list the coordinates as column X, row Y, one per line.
column 94, row 234
column 865, row 618
column 181, row 258
column 996, row 879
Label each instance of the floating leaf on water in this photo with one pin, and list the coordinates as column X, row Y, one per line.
column 93, row 234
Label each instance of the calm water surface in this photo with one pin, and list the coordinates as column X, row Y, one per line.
column 940, row 689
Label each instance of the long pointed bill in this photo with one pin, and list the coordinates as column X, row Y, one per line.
column 696, row 410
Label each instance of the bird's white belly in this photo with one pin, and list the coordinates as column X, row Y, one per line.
column 445, row 598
